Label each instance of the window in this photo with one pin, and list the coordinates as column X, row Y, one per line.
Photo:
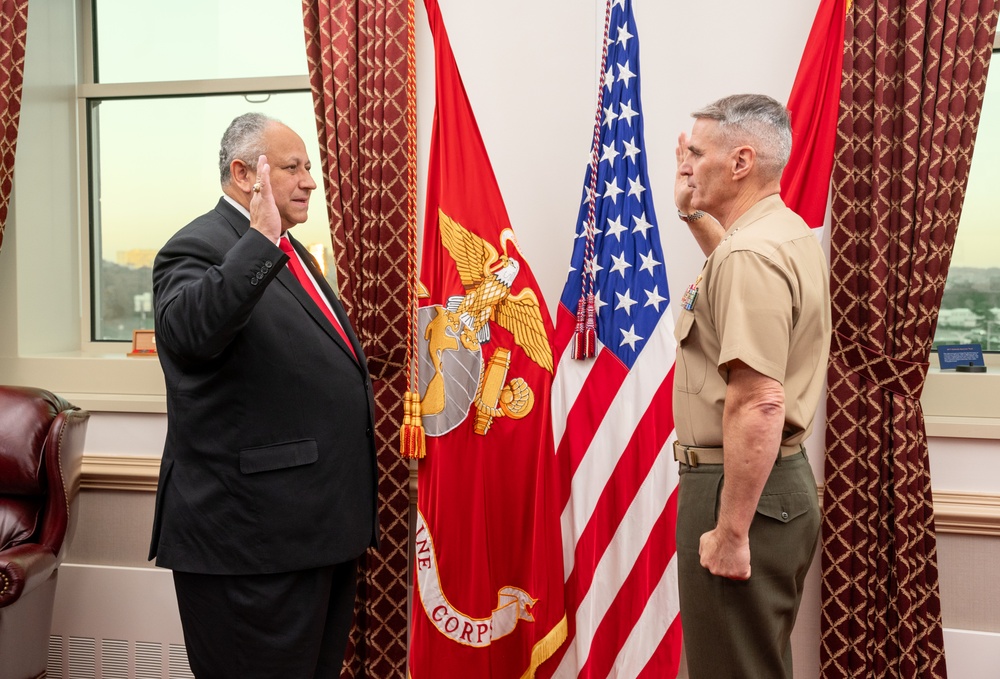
column 970, row 308
column 167, row 78
column 90, row 183
column 960, row 405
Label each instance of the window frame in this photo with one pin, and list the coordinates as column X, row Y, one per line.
column 89, row 90
column 90, row 93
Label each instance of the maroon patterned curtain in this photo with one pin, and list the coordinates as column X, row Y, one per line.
column 13, row 29
column 359, row 64
column 914, row 77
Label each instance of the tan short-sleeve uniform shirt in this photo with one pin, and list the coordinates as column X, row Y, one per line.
column 763, row 298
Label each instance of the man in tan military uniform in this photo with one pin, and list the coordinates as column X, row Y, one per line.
column 753, row 340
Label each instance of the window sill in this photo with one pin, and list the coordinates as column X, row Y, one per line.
column 962, row 427
column 962, row 405
column 95, row 382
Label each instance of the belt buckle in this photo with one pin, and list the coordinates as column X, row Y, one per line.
column 690, row 457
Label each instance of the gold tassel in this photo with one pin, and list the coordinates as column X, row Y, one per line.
column 412, row 444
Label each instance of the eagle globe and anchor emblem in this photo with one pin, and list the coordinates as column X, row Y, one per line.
column 453, row 376
column 454, row 380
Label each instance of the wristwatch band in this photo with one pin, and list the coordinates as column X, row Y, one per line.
column 693, row 217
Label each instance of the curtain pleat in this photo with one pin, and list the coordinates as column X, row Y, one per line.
column 13, row 32
column 914, row 79
column 357, row 54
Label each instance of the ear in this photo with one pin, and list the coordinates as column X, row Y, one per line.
column 243, row 175
column 744, row 159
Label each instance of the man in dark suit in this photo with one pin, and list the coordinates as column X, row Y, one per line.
column 267, row 490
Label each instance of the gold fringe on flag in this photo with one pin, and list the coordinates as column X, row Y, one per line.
column 412, row 442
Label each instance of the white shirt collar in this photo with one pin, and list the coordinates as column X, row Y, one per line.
column 243, row 210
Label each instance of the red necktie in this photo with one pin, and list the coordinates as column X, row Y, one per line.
column 300, row 273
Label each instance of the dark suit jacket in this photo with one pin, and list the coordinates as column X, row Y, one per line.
column 269, row 464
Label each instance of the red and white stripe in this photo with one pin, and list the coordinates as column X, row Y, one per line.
column 613, row 430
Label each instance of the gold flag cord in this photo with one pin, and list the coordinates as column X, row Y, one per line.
column 412, row 442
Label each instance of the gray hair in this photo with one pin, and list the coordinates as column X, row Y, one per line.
column 243, row 140
column 755, row 120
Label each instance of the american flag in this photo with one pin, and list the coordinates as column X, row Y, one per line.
column 612, row 414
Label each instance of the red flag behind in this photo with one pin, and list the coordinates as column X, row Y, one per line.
column 488, row 562
column 814, row 104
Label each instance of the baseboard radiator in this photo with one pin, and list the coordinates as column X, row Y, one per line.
column 116, row 623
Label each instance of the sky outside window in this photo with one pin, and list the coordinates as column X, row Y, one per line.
column 152, row 40
column 978, row 243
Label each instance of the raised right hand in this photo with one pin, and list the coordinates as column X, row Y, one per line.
column 264, row 215
column 682, row 192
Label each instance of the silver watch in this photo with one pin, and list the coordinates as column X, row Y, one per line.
column 693, row 217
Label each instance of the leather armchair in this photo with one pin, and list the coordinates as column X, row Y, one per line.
column 41, row 454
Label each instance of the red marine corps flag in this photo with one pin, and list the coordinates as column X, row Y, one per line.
column 814, row 104
column 487, row 563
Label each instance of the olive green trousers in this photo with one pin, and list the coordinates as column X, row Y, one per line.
column 741, row 629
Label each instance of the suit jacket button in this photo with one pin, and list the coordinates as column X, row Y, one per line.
column 253, row 281
column 268, row 264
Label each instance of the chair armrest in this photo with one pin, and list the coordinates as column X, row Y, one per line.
column 63, row 450
column 22, row 568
